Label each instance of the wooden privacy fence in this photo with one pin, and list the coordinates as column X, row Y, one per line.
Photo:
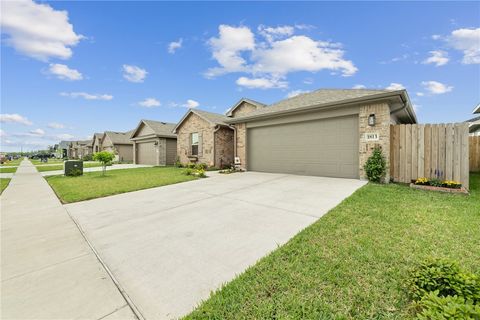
column 474, row 148
column 429, row 150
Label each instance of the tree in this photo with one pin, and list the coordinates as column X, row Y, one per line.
column 105, row 158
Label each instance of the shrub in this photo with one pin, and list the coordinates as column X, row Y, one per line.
column 188, row 171
column 201, row 166
column 376, row 166
column 190, row 165
column 194, row 172
column 434, row 307
column 444, row 277
column 87, row 157
column 178, row 164
column 435, row 183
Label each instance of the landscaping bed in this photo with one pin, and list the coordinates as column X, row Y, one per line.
column 354, row 262
column 4, row 184
column 94, row 185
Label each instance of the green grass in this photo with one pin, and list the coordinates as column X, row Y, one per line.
column 12, row 163
column 41, row 168
column 4, row 184
column 93, row 185
column 353, row 262
column 37, row 162
column 8, row 169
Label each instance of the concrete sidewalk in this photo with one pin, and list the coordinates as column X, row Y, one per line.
column 48, row 270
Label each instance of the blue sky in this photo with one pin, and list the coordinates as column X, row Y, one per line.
column 70, row 69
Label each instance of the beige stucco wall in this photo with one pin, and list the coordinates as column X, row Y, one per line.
column 193, row 123
column 382, row 127
column 224, row 147
column 243, row 109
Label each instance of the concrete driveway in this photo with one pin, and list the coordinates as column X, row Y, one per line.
column 168, row 247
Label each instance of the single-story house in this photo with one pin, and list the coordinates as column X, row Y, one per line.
column 205, row 137
column 118, row 143
column 154, row 143
column 474, row 123
column 97, row 142
column 328, row 132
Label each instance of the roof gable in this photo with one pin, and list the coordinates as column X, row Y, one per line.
column 213, row 119
column 241, row 102
column 153, row 128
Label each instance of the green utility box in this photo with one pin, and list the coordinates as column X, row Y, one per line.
column 73, row 168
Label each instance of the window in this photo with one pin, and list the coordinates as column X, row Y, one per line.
column 194, row 143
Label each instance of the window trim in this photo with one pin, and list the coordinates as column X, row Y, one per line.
column 192, row 144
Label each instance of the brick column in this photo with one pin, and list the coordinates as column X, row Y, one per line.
column 382, row 127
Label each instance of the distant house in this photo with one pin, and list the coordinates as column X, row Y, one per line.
column 205, row 137
column 154, row 143
column 97, row 142
column 63, row 149
column 474, row 123
column 79, row 149
column 118, row 143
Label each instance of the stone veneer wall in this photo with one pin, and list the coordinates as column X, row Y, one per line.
column 192, row 124
column 242, row 144
column 223, row 147
column 243, row 109
column 382, row 127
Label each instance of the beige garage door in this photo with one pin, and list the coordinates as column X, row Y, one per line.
column 146, row 153
column 327, row 147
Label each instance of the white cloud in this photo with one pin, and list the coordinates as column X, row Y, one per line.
column 235, row 50
column 56, row 125
column 295, row 93
column 227, row 48
column 63, row 72
column 64, row 136
column 272, row 33
column 191, row 104
column 134, row 73
column 37, row 132
column 14, row 118
column 437, row 57
column 261, row 83
column 150, row 103
column 174, row 45
column 2, row 133
column 358, row 86
column 416, row 107
column 37, row 30
column 467, row 41
column 395, row 86
column 435, row 87
column 420, row 94
column 87, row 96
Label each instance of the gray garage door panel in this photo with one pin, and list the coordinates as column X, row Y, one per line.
column 327, row 147
column 146, row 153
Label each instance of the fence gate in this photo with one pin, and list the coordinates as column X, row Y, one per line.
column 429, row 150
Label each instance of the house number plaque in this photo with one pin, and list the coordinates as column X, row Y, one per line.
column 372, row 136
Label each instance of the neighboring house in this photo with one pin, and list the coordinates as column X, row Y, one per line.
column 97, row 142
column 63, row 150
column 474, row 123
column 205, row 137
column 322, row 133
column 79, row 149
column 118, row 143
column 154, row 143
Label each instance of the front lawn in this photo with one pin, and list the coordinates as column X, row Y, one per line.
column 4, row 184
column 8, row 169
column 41, row 168
column 93, row 185
column 50, row 161
column 353, row 262
column 15, row 162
